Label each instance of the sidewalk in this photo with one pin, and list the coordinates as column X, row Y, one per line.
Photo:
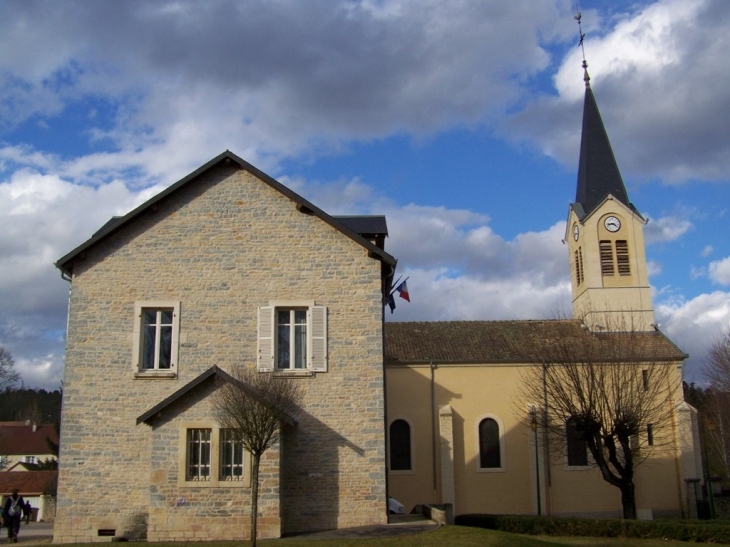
column 37, row 533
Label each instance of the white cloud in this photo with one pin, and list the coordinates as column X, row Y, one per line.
column 719, row 271
column 43, row 217
column 657, row 78
column 667, row 228
column 693, row 325
column 707, row 251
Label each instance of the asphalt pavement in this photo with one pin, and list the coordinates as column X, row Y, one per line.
column 31, row 534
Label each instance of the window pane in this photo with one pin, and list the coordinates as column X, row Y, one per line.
column 300, row 339
column 166, row 317
column 148, row 346
column 231, row 456
column 165, row 347
column 198, row 454
column 577, row 449
column 489, row 452
column 400, row 446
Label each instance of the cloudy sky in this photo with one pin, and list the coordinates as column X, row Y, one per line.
column 458, row 120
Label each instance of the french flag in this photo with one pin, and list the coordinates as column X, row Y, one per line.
column 403, row 291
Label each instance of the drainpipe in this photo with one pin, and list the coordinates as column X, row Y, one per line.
column 433, row 426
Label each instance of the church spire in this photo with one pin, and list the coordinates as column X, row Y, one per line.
column 598, row 173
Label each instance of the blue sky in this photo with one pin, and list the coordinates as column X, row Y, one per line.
column 460, row 121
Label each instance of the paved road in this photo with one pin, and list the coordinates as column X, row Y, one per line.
column 33, row 533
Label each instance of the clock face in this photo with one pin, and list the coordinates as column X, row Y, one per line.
column 612, row 224
column 576, row 232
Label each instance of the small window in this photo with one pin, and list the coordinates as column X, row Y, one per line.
column 606, row 253
column 198, row 456
column 292, row 338
column 645, row 379
column 156, row 329
column 622, row 257
column 577, row 448
column 650, row 434
column 231, row 452
column 400, row 446
column 489, row 449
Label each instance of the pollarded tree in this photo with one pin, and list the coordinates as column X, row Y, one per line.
column 255, row 406
column 611, row 393
column 8, row 376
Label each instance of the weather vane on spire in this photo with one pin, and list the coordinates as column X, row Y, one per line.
column 578, row 16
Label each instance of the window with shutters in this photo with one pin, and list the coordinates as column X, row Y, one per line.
column 155, row 347
column 399, row 437
column 622, row 257
column 292, row 338
column 579, row 266
column 606, row 251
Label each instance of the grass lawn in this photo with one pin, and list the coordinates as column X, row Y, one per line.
column 449, row 536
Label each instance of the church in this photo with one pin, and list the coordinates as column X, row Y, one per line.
column 228, row 267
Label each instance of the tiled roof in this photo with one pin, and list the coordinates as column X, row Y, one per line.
column 19, row 439
column 513, row 342
column 28, row 483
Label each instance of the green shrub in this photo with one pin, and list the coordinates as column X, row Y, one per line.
column 682, row 530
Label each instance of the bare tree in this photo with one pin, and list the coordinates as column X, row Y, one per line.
column 716, row 399
column 8, row 376
column 255, row 406
column 717, row 366
column 610, row 393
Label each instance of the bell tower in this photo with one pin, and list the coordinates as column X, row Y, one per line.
column 605, row 236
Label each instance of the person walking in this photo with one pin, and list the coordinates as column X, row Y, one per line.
column 13, row 512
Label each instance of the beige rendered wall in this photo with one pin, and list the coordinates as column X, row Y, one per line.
column 610, row 302
column 476, row 391
column 223, row 246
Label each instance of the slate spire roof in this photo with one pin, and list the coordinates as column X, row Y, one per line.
column 598, row 173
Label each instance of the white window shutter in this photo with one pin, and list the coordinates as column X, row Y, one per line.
column 266, row 339
column 318, row 339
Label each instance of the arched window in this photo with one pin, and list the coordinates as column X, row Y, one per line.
column 489, row 451
column 577, row 449
column 400, row 446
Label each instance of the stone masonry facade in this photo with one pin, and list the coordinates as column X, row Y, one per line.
column 222, row 245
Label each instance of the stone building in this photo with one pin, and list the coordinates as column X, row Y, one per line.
column 208, row 274
column 229, row 267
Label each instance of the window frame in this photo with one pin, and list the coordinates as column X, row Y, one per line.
column 411, row 447
column 215, row 478
column 316, row 338
column 478, row 445
column 138, row 338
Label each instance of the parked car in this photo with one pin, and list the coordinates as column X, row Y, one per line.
column 395, row 507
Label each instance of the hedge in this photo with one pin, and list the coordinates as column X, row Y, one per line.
column 681, row 530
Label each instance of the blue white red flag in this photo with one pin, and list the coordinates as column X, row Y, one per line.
column 403, row 291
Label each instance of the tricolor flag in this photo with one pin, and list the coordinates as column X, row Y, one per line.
column 403, row 291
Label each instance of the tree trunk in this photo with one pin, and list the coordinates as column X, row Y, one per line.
column 628, row 499
column 254, row 496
